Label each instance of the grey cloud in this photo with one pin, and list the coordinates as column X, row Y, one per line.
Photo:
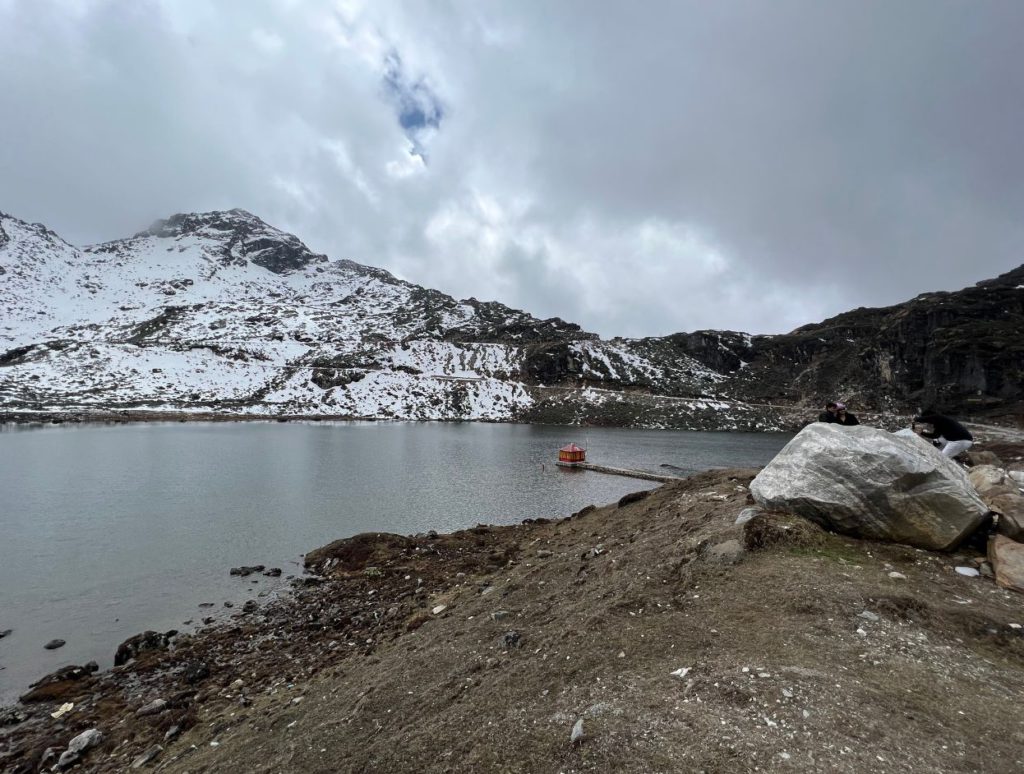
column 637, row 168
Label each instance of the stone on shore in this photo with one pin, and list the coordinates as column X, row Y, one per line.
column 140, row 643
column 60, row 684
column 54, row 644
column 868, row 483
column 1007, row 558
column 247, row 570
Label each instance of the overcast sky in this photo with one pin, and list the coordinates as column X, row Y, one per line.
column 638, row 168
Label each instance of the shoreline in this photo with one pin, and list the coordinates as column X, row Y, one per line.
column 482, row 649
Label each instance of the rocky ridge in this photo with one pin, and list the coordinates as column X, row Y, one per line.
column 221, row 313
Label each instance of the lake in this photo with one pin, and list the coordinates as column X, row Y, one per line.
column 111, row 530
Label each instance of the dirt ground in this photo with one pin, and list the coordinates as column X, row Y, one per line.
column 681, row 640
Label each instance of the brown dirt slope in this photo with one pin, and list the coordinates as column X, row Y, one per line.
column 799, row 650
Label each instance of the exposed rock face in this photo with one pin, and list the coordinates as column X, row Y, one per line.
column 1007, row 558
column 869, row 483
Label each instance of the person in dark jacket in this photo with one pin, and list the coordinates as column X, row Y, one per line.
column 843, row 417
column 829, row 414
column 946, row 431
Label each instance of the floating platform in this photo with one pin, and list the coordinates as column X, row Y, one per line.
column 619, row 471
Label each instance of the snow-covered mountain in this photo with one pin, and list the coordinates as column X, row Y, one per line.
column 221, row 312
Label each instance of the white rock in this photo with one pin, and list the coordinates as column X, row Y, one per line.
column 970, row 572
column 866, row 482
column 439, row 609
column 747, row 514
column 897, row 575
column 79, row 745
column 867, row 615
column 577, row 732
column 154, row 707
column 681, row 672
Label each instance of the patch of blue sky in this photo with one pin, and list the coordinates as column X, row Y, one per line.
column 419, row 110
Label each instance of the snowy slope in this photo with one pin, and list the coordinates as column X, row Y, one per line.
column 221, row 312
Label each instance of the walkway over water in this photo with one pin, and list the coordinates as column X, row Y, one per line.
column 628, row 472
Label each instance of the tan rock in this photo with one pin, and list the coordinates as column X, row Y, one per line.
column 982, row 457
column 1007, row 558
column 985, row 477
column 1010, row 508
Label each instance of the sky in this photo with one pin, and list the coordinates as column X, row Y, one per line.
column 637, row 168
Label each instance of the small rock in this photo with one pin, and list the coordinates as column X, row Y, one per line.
column 11, row 716
column 511, row 639
column 577, row 732
column 499, row 615
column 229, row 604
column 897, row 575
column 250, row 606
column 247, row 570
column 154, row 707
column 985, row 568
column 147, row 756
column 726, row 552
column 439, row 609
column 78, row 746
column 544, row 554
column 54, row 644
column 172, row 732
column 273, row 572
column 747, row 514
column 867, row 615
column 5, row 633
column 140, row 643
column 206, row 604
column 681, row 672
column 209, row 619
column 195, row 671
column 970, row 572
column 1007, row 558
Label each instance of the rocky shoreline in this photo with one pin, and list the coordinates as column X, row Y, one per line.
column 667, row 631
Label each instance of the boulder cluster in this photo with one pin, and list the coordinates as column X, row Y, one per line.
column 897, row 487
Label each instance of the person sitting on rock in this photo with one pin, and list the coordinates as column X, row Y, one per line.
column 843, row 417
column 946, row 431
column 829, row 414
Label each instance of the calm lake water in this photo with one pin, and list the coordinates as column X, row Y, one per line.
column 106, row 531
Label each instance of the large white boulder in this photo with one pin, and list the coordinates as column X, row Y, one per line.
column 866, row 482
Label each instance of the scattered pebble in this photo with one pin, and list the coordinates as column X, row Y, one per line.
column 439, row 609
column 970, row 572
column 897, row 575
column 54, row 644
column 867, row 615
column 577, row 732
column 681, row 672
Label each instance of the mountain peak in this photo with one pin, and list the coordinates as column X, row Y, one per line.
column 238, row 234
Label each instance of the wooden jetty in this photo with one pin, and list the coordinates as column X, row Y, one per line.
column 619, row 471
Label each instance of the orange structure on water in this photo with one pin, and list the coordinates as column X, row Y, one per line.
column 572, row 453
